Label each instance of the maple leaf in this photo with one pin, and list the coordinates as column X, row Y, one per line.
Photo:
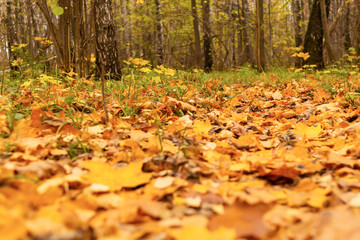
column 202, row 233
column 115, row 179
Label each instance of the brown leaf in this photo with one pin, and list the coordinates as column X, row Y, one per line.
column 283, row 173
column 41, row 169
column 247, row 220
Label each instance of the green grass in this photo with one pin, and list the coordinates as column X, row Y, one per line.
column 138, row 86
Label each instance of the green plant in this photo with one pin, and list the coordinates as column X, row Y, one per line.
column 76, row 148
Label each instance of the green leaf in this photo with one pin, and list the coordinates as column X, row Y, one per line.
column 57, row 10
column 19, row 116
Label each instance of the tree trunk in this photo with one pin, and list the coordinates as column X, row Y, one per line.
column 249, row 53
column 270, row 32
column 347, row 40
column 324, row 5
column 196, row 33
column 126, row 34
column 20, row 21
column 240, row 29
column 260, row 49
column 64, row 33
column 54, row 32
column 31, row 30
column 159, row 34
column 358, row 28
column 10, row 32
column 297, row 29
column 79, row 36
column 314, row 37
column 208, row 62
column 106, row 45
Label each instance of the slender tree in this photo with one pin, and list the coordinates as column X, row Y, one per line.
column 10, row 31
column 248, row 49
column 208, row 63
column 296, row 7
column 106, row 44
column 61, row 42
column 126, row 23
column 347, row 40
column 64, row 33
column 240, row 31
column 159, row 34
column 196, row 33
column 260, row 48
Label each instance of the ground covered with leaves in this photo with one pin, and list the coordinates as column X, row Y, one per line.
column 181, row 158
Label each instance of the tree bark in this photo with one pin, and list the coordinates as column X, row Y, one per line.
column 240, row 30
column 314, row 37
column 196, row 33
column 159, row 34
column 260, row 48
column 324, row 15
column 347, row 40
column 32, row 30
column 10, row 32
column 297, row 29
column 270, row 32
column 106, row 44
column 79, row 37
column 54, row 32
column 64, row 33
column 208, row 63
column 126, row 34
column 20, row 22
column 249, row 52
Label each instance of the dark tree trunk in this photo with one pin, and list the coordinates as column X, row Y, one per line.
column 347, row 40
column 314, row 37
column 196, row 33
column 260, row 48
column 106, row 45
column 208, row 63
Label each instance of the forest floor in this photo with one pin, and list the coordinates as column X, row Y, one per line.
column 184, row 156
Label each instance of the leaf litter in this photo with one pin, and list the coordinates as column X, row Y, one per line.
column 245, row 162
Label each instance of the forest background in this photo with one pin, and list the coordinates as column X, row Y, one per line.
column 231, row 119
column 207, row 35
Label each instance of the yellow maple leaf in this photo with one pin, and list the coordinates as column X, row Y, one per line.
column 202, row 127
column 129, row 176
column 311, row 132
column 202, row 233
column 303, row 55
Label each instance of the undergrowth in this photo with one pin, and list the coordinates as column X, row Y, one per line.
column 142, row 83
